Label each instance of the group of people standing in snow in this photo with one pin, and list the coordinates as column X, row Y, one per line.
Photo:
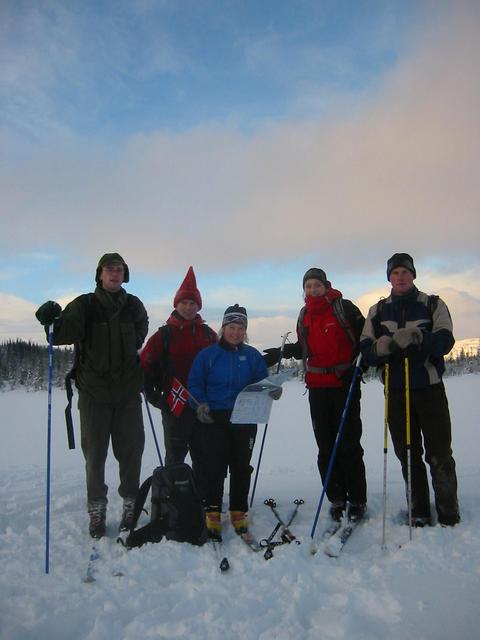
column 109, row 327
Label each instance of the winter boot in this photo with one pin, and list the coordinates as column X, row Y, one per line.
column 356, row 511
column 239, row 521
column 97, row 510
column 127, row 523
column 420, row 521
column 214, row 524
column 336, row 511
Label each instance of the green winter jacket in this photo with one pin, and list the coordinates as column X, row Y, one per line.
column 108, row 330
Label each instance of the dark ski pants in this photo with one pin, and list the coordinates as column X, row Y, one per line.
column 347, row 481
column 227, row 446
column 124, row 426
column 182, row 435
column 430, row 420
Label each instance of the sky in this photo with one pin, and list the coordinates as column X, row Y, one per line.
column 252, row 140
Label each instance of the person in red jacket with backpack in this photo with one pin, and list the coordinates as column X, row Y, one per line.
column 328, row 330
column 166, row 360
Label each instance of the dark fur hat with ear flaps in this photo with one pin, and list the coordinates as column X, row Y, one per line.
column 112, row 258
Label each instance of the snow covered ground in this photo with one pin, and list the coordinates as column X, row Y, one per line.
column 425, row 589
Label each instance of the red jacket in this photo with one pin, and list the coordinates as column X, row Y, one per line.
column 170, row 351
column 328, row 344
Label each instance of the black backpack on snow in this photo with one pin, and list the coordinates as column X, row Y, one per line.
column 176, row 512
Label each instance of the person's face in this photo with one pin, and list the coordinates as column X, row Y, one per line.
column 112, row 276
column 188, row 309
column 234, row 333
column 401, row 280
column 314, row 287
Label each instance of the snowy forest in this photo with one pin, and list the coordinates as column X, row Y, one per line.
column 24, row 365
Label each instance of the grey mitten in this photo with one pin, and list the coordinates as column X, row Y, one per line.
column 403, row 338
column 276, row 394
column 203, row 413
column 384, row 346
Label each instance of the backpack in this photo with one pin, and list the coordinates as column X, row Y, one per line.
column 176, row 508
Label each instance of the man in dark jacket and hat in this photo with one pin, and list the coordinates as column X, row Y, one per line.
column 108, row 328
column 412, row 332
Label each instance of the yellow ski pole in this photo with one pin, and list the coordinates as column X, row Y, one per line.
column 385, row 450
column 408, row 439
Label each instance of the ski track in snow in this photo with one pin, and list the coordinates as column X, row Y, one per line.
column 424, row 589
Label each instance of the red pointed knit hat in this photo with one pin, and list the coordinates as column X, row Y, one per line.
column 188, row 290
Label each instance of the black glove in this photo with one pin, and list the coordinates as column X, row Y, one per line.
column 48, row 312
column 271, row 356
column 290, row 350
column 155, row 398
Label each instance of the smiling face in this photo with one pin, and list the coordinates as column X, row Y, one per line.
column 112, row 275
column 188, row 309
column 401, row 280
column 314, row 287
column 234, row 333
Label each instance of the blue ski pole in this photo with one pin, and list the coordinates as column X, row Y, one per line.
column 331, row 462
column 284, row 339
column 153, row 429
column 49, row 447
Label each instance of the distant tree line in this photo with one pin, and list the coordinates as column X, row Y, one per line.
column 25, row 365
column 463, row 363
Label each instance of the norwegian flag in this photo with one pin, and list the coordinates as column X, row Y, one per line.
column 177, row 398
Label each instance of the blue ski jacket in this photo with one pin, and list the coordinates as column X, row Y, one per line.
column 220, row 372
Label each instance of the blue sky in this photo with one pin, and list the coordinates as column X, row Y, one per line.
column 249, row 139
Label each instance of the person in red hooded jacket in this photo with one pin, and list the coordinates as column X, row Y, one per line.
column 328, row 330
column 166, row 360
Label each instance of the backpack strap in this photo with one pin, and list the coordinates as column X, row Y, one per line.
column 339, row 311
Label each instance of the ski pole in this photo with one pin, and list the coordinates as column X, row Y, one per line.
column 385, row 450
column 153, row 429
column 408, row 440
column 343, row 417
column 282, row 347
column 49, row 447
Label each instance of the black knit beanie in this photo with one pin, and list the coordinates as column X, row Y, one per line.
column 400, row 260
column 316, row 274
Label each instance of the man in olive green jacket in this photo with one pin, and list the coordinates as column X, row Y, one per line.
column 108, row 328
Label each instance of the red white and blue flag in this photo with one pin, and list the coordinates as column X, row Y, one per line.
column 177, row 398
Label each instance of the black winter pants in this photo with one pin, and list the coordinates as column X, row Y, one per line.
column 347, row 481
column 124, row 426
column 430, row 420
column 227, row 446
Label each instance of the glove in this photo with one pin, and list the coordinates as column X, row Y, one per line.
column 384, row 346
column 155, row 398
column 289, row 350
column 48, row 312
column 276, row 394
column 203, row 413
column 403, row 338
column 272, row 356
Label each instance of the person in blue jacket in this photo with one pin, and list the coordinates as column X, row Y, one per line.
column 217, row 376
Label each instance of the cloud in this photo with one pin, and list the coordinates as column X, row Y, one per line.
column 17, row 320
